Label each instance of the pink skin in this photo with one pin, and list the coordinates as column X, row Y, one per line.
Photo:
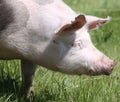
column 83, row 57
column 50, row 34
column 93, row 62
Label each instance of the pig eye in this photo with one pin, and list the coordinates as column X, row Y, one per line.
column 55, row 42
column 78, row 44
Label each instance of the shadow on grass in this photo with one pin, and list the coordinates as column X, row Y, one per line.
column 9, row 86
column 10, row 89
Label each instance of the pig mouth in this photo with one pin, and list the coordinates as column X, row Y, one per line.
column 103, row 71
column 99, row 73
column 107, row 72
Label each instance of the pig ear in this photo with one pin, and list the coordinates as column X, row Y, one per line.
column 94, row 22
column 78, row 23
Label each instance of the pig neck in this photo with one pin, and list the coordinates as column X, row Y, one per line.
column 34, row 41
column 53, row 16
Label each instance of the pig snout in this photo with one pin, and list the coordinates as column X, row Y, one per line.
column 103, row 67
column 108, row 70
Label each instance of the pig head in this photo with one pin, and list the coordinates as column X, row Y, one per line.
column 52, row 36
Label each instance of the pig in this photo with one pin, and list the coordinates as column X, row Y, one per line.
column 52, row 35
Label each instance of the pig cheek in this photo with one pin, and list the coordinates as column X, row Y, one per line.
column 72, row 64
column 90, row 60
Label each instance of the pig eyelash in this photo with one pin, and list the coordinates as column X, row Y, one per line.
column 79, row 44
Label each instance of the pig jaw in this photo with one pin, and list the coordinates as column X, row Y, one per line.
column 100, row 68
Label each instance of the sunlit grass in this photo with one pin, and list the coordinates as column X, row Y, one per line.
column 56, row 87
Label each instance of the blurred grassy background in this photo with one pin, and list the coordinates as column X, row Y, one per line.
column 57, row 87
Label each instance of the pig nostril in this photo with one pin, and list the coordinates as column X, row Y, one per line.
column 113, row 64
column 112, row 67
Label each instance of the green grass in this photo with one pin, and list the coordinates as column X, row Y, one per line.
column 57, row 87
